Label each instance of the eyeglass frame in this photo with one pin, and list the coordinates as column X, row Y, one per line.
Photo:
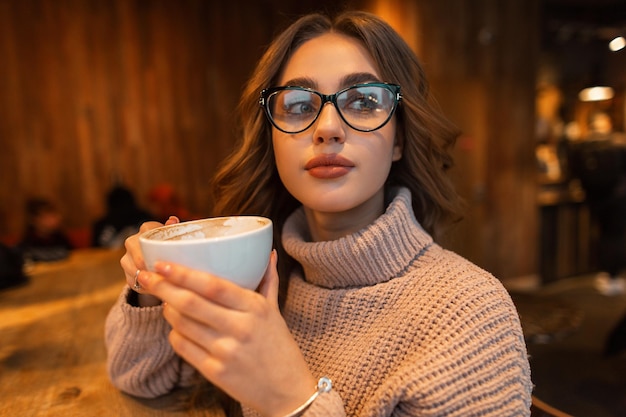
column 329, row 98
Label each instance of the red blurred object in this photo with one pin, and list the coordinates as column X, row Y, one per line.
column 165, row 201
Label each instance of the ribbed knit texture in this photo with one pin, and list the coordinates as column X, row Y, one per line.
column 140, row 360
column 400, row 325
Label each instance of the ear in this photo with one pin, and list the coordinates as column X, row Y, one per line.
column 397, row 152
column 398, row 142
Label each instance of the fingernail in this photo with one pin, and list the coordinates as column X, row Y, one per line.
column 143, row 278
column 162, row 267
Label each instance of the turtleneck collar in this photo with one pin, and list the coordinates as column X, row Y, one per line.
column 381, row 251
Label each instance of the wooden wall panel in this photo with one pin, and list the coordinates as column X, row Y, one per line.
column 481, row 57
column 143, row 91
column 97, row 91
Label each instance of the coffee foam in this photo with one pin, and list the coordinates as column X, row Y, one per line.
column 218, row 227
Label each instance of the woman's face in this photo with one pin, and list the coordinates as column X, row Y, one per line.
column 330, row 167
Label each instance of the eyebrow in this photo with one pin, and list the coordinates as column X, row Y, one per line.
column 346, row 81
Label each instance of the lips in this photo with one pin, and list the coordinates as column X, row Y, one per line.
column 328, row 166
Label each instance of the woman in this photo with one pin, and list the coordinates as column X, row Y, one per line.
column 348, row 158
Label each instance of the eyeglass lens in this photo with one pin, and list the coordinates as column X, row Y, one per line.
column 364, row 107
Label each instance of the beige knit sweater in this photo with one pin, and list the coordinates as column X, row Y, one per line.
column 400, row 325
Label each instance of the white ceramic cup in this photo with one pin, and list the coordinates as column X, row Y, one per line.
column 236, row 248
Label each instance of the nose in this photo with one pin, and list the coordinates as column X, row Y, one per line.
column 329, row 126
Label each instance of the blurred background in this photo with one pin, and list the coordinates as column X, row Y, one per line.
column 95, row 93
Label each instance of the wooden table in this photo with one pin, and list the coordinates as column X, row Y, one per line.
column 52, row 353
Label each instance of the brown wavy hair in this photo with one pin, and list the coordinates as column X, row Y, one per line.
column 248, row 181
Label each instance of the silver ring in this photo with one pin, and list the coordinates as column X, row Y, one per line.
column 137, row 285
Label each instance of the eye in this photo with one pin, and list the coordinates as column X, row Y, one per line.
column 296, row 103
column 298, row 107
column 362, row 100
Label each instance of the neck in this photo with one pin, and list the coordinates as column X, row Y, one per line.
column 326, row 226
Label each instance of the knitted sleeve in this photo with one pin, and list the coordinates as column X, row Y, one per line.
column 476, row 363
column 140, row 360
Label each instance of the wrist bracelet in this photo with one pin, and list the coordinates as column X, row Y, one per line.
column 323, row 385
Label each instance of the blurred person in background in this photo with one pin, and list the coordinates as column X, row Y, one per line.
column 11, row 267
column 599, row 162
column 122, row 219
column 44, row 238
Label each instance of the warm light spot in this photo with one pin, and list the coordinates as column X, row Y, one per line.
column 21, row 316
column 617, row 44
column 402, row 15
column 596, row 94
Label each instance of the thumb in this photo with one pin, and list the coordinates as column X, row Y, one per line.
column 172, row 220
column 269, row 285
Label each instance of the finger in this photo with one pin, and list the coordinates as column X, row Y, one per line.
column 133, row 261
column 269, row 285
column 172, row 220
column 197, row 356
column 148, row 226
column 131, row 271
column 188, row 302
column 154, row 283
column 129, row 266
column 201, row 307
column 210, row 287
column 200, row 333
column 133, row 258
